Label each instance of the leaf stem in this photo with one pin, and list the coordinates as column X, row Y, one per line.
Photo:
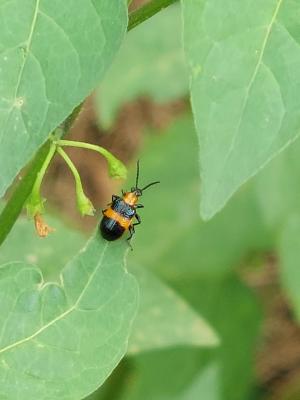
column 84, row 204
column 35, row 201
column 23, row 189
column 116, row 168
column 83, row 145
column 72, row 167
column 40, row 175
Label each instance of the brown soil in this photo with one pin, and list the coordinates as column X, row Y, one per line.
column 278, row 356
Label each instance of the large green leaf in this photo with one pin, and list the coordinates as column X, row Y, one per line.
column 165, row 319
column 289, row 252
column 53, row 54
column 244, row 59
column 150, row 63
column 61, row 341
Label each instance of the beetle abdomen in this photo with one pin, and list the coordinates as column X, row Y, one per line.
column 111, row 229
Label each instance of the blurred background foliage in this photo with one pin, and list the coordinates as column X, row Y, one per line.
column 160, row 74
column 232, row 280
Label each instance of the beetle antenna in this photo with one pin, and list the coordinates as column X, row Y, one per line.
column 150, row 184
column 137, row 173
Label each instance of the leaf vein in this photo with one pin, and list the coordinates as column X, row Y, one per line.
column 62, row 315
column 250, row 84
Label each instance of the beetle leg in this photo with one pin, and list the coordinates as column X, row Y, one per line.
column 138, row 218
column 139, row 206
column 131, row 231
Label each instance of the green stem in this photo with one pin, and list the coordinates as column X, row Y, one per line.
column 117, row 169
column 35, row 202
column 37, row 185
column 72, row 167
column 23, row 189
column 83, row 145
column 147, row 11
column 84, row 204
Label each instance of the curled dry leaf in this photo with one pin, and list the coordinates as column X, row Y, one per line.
column 41, row 227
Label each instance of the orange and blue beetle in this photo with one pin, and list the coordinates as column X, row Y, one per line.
column 119, row 217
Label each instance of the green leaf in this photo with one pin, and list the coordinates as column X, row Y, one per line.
column 61, row 341
column 165, row 319
column 289, row 254
column 205, row 383
column 244, row 60
column 165, row 375
column 50, row 253
column 233, row 310
column 210, row 373
column 161, row 310
column 277, row 188
column 52, row 56
column 150, row 63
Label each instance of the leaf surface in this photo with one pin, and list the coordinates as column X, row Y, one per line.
column 244, row 62
column 191, row 373
column 52, row 54
column 50, row 254
column 234, row 311
column 61, row 341
column 278, row 190
column 164, row 319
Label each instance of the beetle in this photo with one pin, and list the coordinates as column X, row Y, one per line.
column 119, row 217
